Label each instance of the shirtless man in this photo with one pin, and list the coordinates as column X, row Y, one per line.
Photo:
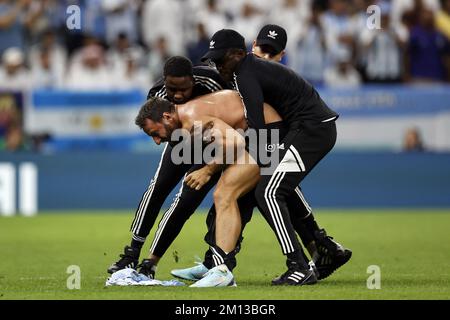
column 221, row 113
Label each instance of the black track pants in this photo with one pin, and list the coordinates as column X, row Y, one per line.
column 303, row 149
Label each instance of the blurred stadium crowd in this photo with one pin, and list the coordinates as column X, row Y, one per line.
column 123, row 44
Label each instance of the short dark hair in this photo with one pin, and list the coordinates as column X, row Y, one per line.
column 153, row 109
column 267, row 48
column 178, row 66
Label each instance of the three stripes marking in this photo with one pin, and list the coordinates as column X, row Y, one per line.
column 273, row 206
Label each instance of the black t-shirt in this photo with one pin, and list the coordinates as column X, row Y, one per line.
column 207, row 80
column 296, row 100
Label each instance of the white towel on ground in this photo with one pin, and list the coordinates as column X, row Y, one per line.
column 130, row 277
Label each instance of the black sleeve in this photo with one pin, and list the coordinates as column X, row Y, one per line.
column 210, row 78
column 253, row 98
column 158, row 90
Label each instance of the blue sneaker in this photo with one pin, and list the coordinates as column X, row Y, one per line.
column 193, row 273
column 219, row 276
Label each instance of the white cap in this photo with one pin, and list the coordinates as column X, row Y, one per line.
column 13, row 56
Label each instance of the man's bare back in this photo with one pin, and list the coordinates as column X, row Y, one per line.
column 225, row 105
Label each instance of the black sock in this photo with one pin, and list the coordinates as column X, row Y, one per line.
column 208, row 261
column 297, row 258
column 310, row 224
column 219, row 256
column 136, row 244
column 306, row 236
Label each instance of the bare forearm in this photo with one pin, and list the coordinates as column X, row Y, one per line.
column 213, row 168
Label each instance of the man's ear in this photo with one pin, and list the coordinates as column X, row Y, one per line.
column 281, row 55
column 167, row 116
column 253, row 46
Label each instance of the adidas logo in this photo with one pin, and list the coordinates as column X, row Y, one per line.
column 211, row 44
column 272, row 34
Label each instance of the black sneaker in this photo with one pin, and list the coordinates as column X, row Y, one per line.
column 330, row 255
column 129, row 259
column 295, row 277
column 148, row 268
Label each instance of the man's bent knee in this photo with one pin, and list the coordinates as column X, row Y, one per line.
column 224, row 195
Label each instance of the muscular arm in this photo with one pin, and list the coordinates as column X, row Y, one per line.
column 228, row 144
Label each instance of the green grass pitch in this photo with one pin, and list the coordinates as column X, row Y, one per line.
column 411, row 248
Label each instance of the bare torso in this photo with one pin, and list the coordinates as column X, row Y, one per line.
column 225, row 105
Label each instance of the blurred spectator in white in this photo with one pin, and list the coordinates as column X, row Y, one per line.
column 13, row 74
column 233, row 9
column 121, row 17
column 42, row 73
column 211, row 17
column 48, row 61
column 248, row 22
column 163, row 19
column 293, row 15
column 86, row 41
column 338, row 29
column 230, row 9
column 197, row 48
column 342, row 74
column 310, row 56
column 90, row 72
column 158, row 57
column 46, row 18
column 118, row 54
column 15, row 17
column 383, row 49
column 443, row 19
column 263, row 6
column 134, row 76
column 412, row 141
column 359, row 19
column 426, row 50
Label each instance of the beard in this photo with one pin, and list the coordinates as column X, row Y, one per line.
column 170, row 128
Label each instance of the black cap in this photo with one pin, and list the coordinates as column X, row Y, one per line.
column 223, row 40
column 272, row 35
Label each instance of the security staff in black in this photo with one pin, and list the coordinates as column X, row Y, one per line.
column 311, row 135
column 181, row 83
